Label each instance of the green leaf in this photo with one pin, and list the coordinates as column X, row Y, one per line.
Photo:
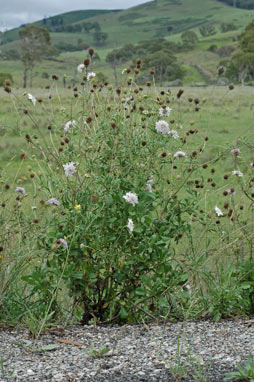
column 48, row 348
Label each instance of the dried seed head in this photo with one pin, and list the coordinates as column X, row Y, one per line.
column 221, row 70
column 91, row 52
column 180, row 92
column 152, row 71
column 231, row 87
column 7, row 89
column 87, row 62
column 94, row 198
column 55, row 77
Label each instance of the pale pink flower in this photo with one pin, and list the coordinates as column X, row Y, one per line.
column 235, row 152
column 54, row 201
column 69, row 169
column 20, row 189
column 62, row 243
column 162, row 127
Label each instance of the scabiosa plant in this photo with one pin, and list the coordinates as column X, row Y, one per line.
column 69, row 169
column 131, row 198
column 162, row 127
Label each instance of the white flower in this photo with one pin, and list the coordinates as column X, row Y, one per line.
column 32, row 98
column 90, row 75
column 20, row 189
column 54, row 201
column 70, row 124
column 80, row 68
column 69, row 169
column 162, row 127
column 180, row 154
column 164, row 111
column 174, row 134
column 237, row 173
column 131, row 198
column 62, row 243
column 149, row 184
column 218, row 211
column 130, row 225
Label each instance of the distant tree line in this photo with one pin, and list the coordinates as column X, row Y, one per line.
column 244, row 4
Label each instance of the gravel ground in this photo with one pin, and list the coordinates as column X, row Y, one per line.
column 137, row 353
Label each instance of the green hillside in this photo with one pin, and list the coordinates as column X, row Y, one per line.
column 158, row 18
column 151, row 20
column 64, row 18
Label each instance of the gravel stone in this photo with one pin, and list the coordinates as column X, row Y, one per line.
column 137, row 353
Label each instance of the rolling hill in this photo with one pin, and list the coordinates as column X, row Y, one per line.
column 154, row 19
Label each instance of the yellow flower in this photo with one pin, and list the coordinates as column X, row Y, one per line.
column 77, row 207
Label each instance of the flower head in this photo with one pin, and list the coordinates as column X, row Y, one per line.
column 90, row 75
column 149, row 184
column 21, row 189
column 130, row 225
column 164, row 111
column 162, row 127
column 80, row 68
column 218, row 211
column 62, row 243
column 131, row 198
column 237, row 173
column 180, row 154
column 54, row 201
column 69, row 169
column 77, row 207
column 32, row 98
column 230, row 191
column 174, row 134
column 70, row 124
column 235, row 152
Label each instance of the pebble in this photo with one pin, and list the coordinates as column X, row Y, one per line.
column 146, row 353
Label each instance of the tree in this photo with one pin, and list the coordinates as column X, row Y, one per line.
column 189, row 39
column 35, row 44
column 100, row 37
column 115, row 58
column 247, row 38
column 207, row 30
column 165, row 64
column 241, row 67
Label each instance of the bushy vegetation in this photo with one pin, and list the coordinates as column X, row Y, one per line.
column 130, row 212
column 245, row 4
